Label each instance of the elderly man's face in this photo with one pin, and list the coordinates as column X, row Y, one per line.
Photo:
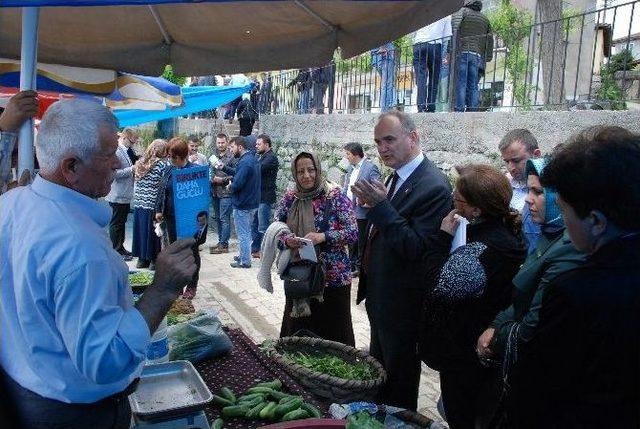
column 96, row 174
column 395, row 146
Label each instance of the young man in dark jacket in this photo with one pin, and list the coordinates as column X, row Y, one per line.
column 245, row 197
column 581, row 369
column 473, row 44
column 268, row 174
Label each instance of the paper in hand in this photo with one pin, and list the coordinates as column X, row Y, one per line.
column 307, row 251
column 460, row 238
column 214, row 160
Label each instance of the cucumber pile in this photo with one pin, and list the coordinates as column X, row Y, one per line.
column 264, row 401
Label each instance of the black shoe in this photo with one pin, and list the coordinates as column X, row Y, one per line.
column 239, row 265
column 236, row 258
column 126, row 257
column 125, row 252
column 152, row 265
column 142, row 263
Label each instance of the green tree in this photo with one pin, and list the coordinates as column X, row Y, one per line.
column 171, row 77
column 513, row 26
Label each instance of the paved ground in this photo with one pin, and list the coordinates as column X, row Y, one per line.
column 235, row 294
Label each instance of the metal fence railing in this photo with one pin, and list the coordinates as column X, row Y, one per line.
column 588, row 60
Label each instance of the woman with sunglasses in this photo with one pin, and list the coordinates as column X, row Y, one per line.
column 467, row 286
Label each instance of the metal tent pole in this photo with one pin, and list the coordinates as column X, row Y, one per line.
column 28, row 71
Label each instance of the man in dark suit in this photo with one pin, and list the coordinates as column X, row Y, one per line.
column 360, row 168
column 412, row 205
column 201, row 237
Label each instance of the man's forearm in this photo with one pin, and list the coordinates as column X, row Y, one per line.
column 154, row 305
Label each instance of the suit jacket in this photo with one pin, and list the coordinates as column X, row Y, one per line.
column 393, row 281
column 368, row 171
column 122, row 185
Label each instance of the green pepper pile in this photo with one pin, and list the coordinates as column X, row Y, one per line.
column 332, row 365
column 264, row 401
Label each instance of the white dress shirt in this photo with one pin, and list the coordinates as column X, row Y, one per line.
column 520, row 191
column 405, row 171
column 353, row 178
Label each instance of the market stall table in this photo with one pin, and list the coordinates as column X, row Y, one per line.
column 244, row 366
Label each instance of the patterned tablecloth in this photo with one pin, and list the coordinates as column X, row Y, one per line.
column 241, row 368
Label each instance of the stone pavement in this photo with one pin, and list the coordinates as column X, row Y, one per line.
column 235, row 294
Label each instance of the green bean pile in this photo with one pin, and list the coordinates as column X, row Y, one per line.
column 332, row 365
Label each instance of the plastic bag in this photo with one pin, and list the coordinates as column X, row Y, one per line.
column 197, row 339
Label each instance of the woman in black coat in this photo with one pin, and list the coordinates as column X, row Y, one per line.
column 467, row 287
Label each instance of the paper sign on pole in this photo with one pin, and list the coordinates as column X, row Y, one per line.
column 191, row 193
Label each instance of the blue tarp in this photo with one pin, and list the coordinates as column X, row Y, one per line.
column 195, row 99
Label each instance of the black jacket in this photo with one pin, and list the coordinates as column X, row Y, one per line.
column 582, row 367
column 465, row 290
column 268, row 174
column 392, row 281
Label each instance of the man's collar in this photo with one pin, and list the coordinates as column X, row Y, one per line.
column 95, row 209
column 405, row 171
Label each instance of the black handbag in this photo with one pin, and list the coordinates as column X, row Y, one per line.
column 304, row 279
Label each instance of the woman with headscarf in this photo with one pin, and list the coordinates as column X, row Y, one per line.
column 148, row 172
column 303, row 210
column 554, row 255
column 467, row 286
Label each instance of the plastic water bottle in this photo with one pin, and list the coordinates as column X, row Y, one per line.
column 158, row 350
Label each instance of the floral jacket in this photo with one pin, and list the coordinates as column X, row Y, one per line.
column 342, row 232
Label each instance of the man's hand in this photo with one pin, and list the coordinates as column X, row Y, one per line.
column 369, row 194
column 316, row 237
column 482, row 348
column 159, row 217
column 22, row 106
column 175, row 266
column 450, row 222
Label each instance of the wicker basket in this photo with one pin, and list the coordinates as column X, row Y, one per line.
column 336, row 389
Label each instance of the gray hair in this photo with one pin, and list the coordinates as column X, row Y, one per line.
column 72, row 127
column 405, row 120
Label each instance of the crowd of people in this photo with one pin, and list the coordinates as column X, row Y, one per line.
column 531, row 318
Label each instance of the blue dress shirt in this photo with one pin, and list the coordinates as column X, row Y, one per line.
column 69, row 328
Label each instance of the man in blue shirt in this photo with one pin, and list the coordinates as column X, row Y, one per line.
column 73, row 343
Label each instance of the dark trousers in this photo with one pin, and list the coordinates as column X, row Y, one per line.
column 193, row 284
column 330, row 319
column 355, row 249
column 427, row 60
column 33, row 411
column 119, row 214
column 246, row 126
column 469, row 396
column 395, row 347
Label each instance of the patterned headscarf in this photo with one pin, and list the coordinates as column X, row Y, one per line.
column 154, row 153
column 300, row 219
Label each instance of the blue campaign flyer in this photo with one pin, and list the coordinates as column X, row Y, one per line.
column 191, row 193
